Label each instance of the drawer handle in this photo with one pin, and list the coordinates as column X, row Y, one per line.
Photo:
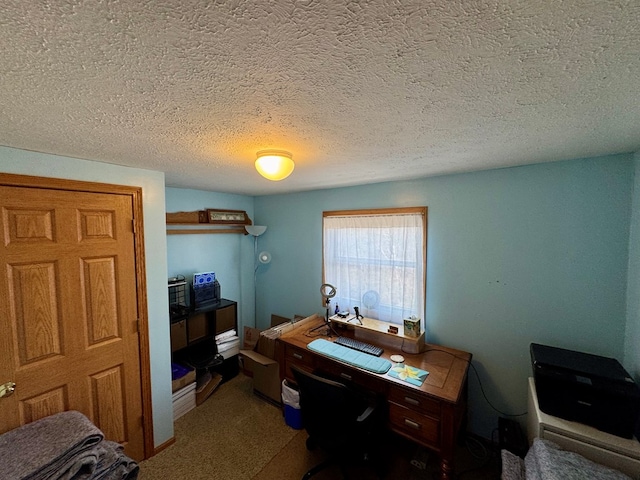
column 412, row 401
column 346, row 376
column 411, row 424
column 298, row 356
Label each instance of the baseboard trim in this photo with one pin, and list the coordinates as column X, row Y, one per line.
column 164, row 446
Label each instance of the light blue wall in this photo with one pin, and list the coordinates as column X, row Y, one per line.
column 152, row 183
column 632, row 339
column 230, row 256
column 536, row 253
column 518, row 255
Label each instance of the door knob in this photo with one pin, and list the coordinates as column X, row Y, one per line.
column 7, row 389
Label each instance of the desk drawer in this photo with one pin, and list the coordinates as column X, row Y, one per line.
column 297, row 356
column 421, row 428
column 349, row 375
column 414, row 401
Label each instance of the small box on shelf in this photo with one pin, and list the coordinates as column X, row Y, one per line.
column 181, row 376
column 412, row 327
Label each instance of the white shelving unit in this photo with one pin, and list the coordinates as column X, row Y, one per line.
column 610, row 450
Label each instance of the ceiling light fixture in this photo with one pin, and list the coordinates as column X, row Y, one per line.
column 274, row 164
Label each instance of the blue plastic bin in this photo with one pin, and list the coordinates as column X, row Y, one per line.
column 293, row 417
column 291, row 400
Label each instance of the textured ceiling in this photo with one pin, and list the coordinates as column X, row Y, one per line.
column 359, row 92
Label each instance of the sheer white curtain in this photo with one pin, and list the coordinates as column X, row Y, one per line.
column 376, row 263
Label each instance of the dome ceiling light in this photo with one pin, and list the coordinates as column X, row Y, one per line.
column 274, row 164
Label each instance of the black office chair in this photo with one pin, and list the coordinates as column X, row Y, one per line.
column 342, row 421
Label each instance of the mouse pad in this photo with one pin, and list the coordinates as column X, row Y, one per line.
column 412, row 375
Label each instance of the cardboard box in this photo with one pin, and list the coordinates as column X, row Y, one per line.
column 259, row 358
column 250, row 338
column 258, row 361
column 205, row 385
column 279, row 320
column 265, row 372
column 183, row 381
column 412, row 327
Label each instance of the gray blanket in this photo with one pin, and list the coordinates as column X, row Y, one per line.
column 64, row 446
column 547, row 461
column 58, row 446
column 113, row 464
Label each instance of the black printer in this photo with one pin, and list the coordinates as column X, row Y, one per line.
column 585, row 388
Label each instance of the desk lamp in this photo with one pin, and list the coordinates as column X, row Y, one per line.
column 327, row 291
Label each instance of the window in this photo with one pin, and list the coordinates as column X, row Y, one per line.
column 376, row 259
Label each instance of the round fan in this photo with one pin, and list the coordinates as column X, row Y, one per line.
column 370, row 299
column 264, row 257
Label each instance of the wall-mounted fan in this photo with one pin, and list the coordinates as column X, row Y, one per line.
column 264, row 257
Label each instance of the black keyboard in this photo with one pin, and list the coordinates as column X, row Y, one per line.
column 358, row 345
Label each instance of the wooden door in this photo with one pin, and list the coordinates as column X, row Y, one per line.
column 69, row 333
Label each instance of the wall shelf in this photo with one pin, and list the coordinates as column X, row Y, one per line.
column 377, row 331
column 207, row 221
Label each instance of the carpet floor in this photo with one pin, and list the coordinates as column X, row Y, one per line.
column 231, row 436
column 403, row 460
column 235, row 435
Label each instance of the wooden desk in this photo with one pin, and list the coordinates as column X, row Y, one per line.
column 429, row 415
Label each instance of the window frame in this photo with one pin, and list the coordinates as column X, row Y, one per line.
column 421, row 210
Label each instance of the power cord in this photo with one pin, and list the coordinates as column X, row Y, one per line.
column 321, row 332
column 489, row 461
column 479, row 383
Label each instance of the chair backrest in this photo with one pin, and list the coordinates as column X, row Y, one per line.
column 329, row 409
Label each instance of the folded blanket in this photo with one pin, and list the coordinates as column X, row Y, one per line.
column 60, row 446
column 547, row 461
column 512, row 466
column 113, row 464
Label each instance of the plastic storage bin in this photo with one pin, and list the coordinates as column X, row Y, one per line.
column 291, row 400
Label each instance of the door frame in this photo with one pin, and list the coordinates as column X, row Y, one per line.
column 135, row 193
